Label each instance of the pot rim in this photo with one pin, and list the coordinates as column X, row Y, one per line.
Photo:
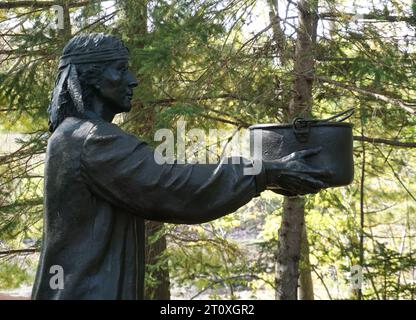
column 290, row 126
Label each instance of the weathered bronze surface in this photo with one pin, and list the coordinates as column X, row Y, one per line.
column 334, row 138
column 101, row 183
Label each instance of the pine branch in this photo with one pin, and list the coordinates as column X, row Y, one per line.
column 18, row 251
column 40, row 52
column 386, row 141
column 396, row 175
column 99, row 21
column 409, row 107
column 200, row 98
column 234, row 123
column 367, row 16
column 40, row 4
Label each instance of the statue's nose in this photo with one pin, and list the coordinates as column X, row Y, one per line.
column 132, row 81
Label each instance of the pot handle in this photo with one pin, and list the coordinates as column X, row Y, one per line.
column 347, row 113
column 301, row 126
column 301, row 129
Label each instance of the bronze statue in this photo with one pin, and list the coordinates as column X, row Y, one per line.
column 101, row 183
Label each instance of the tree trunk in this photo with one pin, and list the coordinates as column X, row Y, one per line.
column 154, row 250
column 293, row 217
column 288, row 251
column 305, row 276
column 66, row 32
column 136, row 25
column 279, row 37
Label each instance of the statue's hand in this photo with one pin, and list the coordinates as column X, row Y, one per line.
column 291, row 176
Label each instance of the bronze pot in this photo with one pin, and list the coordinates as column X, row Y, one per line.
column 334, row 137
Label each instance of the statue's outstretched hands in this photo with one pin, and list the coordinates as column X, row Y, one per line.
column 291, row 176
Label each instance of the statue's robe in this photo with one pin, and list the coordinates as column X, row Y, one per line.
column 100, row 185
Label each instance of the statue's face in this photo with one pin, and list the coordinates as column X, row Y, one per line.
column 116, row 86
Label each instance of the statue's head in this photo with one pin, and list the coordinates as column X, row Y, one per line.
column 93, row 67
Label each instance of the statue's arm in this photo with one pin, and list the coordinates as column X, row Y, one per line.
column 122, row 169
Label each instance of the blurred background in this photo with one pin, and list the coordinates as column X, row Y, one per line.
column 228, row 64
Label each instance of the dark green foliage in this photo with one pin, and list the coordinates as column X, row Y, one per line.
column 195, row 60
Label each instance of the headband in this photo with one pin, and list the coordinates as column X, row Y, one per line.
column 93, row 56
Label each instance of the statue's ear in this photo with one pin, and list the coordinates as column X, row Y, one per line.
column 90, row 75
column 95, row 82
column 97, row 85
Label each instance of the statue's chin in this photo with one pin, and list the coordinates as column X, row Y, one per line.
column 127, row 108
column 124, row 108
